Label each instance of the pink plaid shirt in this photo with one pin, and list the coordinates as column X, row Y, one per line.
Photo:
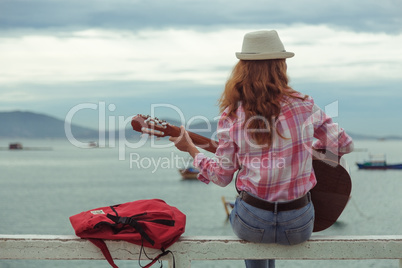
column 283, row 172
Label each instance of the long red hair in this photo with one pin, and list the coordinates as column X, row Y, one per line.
column 259, row 85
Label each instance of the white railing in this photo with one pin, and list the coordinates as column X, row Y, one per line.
column 188, row 248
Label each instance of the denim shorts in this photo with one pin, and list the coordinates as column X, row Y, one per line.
column 262, row 226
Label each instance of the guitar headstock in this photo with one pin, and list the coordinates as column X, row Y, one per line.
column 149, row 125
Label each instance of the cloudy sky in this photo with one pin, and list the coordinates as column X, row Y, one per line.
column 79, row 59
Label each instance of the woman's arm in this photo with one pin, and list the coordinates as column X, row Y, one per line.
column 219, row 169
column 184, row 143
column 330, row 136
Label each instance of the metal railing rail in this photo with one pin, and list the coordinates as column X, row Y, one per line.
column 189, row 248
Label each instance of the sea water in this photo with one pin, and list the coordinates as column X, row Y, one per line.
column 41, row 189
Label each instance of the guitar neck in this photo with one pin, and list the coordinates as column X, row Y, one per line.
column 200, row 141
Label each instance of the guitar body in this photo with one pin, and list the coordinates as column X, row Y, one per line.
column 329, row 196
column 331, row 193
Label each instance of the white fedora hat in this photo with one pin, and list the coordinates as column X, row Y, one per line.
column 263, row 45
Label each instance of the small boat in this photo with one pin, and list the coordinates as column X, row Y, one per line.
column 189, row 173
column 93, row 144
column 378, row 162
column 15, row 146
column 377, row 165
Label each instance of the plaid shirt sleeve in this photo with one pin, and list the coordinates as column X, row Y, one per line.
column 221, row 168
column 330, row 136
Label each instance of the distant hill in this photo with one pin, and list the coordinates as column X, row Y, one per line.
column 31, row 125
column 36, row 126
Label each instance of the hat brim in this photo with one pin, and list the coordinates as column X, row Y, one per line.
column 264, row 56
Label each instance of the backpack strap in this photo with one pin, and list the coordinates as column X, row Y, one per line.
column 133, row 223
column 105, row 251
column 164, row 253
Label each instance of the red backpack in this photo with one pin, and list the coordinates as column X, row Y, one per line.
column 150, row 223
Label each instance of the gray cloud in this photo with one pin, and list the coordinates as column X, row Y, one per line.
column 356, row 15
column 367, row 75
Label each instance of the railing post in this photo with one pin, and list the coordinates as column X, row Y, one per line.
column 400, row 263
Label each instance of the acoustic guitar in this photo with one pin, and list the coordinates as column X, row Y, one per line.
column 329, row 196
